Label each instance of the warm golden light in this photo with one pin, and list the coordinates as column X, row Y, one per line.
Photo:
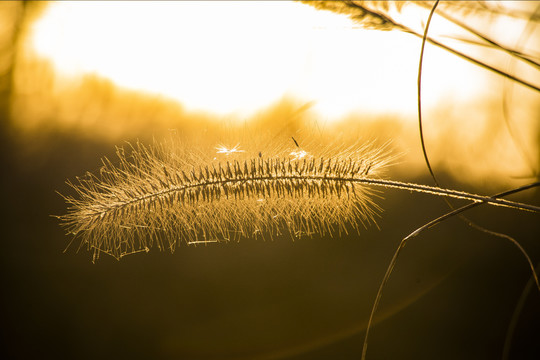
column 236, row 57
column 207, row 126
column 123, row 70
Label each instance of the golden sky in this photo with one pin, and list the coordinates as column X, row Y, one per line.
column 236, row 57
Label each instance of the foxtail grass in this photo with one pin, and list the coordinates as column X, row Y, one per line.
column 156, row 196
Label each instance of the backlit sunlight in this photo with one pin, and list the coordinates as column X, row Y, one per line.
column 234, row 58
column 275, row 148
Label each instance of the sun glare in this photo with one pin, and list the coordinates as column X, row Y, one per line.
column 236, row 57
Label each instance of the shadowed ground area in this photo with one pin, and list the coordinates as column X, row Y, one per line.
column 256, row 299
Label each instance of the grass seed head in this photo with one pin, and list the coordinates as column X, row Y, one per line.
column 163, row 194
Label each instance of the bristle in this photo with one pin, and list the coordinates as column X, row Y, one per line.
column 154, row 197
column 150, row 199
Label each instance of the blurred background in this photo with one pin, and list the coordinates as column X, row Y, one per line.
column 79, row 78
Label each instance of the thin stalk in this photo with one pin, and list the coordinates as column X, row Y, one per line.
column 449, row 193
column 488, row 40
column 419, row 85
column 330, row 178
column 426, row 226
column 406, row 29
